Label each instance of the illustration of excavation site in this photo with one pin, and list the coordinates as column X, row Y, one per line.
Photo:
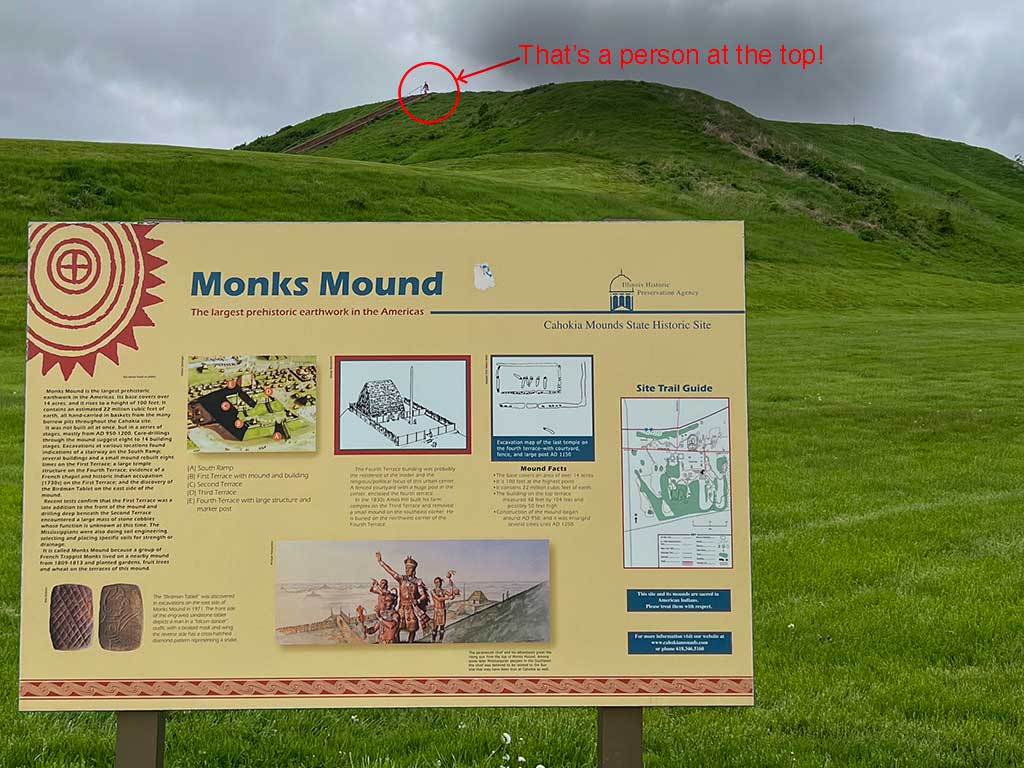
column 402, row 404
column 542, row 407
column 676, row 499
column 390, row 592
column 252, row 403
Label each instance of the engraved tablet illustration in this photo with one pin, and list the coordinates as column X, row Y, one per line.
column 120, row 617
column 70, row 617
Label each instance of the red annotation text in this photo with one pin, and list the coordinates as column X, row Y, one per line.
column 728, row 54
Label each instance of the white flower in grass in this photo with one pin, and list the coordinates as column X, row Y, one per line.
column 792, row 626
column 461, row 726
column 507, row 738
column 355, row 718
column 521, row 759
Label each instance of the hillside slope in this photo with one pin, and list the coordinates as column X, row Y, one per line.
column 794, row 260
column 522, row 618
column 289, row 135
column 884, row 361
column 946, row 207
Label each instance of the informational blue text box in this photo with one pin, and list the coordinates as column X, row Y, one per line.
column 706, row 643
column 682, row 600
column 526, row 448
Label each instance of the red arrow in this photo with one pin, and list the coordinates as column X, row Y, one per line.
column 464, row 78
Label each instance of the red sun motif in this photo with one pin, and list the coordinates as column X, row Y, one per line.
column 88, row 289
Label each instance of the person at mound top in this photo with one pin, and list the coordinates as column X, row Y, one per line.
column 426, row 88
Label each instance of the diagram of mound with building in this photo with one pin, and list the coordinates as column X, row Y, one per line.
column 676, row 485
column 399, row 404
column 252, row 403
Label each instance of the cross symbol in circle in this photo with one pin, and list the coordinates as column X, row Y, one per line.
column 74, row 266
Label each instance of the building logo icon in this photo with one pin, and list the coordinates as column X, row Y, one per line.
column 620, row 293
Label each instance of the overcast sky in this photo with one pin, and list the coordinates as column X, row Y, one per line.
column 220, row 72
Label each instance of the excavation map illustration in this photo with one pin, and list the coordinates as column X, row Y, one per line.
column 542, row 407
column 676, row 483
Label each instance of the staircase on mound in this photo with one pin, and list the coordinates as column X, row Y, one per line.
column 325, row 139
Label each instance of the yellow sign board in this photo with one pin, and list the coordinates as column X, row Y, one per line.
column 262, row 457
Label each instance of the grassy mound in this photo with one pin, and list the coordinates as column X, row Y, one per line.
column 884, row 282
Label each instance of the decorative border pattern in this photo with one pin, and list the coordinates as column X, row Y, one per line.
column 320, row 687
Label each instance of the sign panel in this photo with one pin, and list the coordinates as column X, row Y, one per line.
column 261, row 458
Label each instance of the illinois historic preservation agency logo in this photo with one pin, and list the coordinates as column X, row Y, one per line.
column 620, row 293
column 623, row 292
column 88, row 289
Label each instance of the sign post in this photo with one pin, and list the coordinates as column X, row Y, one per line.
column 620, row 737
column 519, row 449
column 140, row 740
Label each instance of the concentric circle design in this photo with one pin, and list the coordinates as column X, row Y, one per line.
column 88, row 287
column 75, row 266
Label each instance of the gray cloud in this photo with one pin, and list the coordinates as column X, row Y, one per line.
column 216, row 74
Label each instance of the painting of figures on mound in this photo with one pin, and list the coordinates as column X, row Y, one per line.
column 243, row 403
column 389, row 592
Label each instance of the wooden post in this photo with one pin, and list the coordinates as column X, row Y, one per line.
column 140, row 740
column 620, row 737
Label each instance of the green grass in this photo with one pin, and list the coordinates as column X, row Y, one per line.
column 209, row 376
column 258, row 432
column 885, row 360
column 924, row 199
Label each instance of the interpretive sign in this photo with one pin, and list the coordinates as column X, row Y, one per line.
column 259, row 458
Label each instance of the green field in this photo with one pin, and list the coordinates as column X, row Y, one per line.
column 884, row 282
